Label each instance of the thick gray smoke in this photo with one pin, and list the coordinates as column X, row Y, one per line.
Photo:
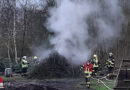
column 80, row 25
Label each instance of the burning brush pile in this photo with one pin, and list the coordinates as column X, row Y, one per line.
column 55, row 66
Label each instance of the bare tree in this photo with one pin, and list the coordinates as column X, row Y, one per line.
column 14, row 32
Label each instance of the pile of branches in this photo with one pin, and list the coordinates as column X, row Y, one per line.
column 55, row 66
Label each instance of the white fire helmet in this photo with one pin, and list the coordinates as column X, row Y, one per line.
column 35, row 57
column 110, row 54
column 24, row 57
column 95, row 56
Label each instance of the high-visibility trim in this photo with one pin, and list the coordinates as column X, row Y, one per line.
column 24, row 63
column 88, row 76
column 88, row 82
column 87, row 72
column 1, row 83
column 96, row 61
column 95, row 65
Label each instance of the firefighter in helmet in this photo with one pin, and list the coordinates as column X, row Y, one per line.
column 95, row 64
column 24, row 65
column 88, row 69
column 35, row 58
column 110, row 63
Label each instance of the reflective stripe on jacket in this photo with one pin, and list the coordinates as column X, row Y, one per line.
column 110, row 63
column 24, row 63
column 95, row 65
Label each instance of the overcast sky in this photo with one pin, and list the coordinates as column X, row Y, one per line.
column 37, row 3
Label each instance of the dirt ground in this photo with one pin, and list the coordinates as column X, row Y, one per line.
column 20, row 83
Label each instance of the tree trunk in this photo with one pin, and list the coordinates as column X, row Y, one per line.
column 14, row 33
column 8, row 48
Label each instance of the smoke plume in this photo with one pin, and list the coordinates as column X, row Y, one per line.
column 81, row 25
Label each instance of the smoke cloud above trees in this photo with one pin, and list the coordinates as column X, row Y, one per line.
column 79, row 26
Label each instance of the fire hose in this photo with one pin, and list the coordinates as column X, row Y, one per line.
column 105, row 77
column 99, row 80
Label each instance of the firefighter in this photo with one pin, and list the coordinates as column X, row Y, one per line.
column 110, row 63
column 95, row 64
column 88, row 69
column 24, row 65
column 35, row 58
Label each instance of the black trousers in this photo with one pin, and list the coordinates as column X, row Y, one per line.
column 87, row 79
column 110, row 69
column 95, row 69
column 24, row 70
